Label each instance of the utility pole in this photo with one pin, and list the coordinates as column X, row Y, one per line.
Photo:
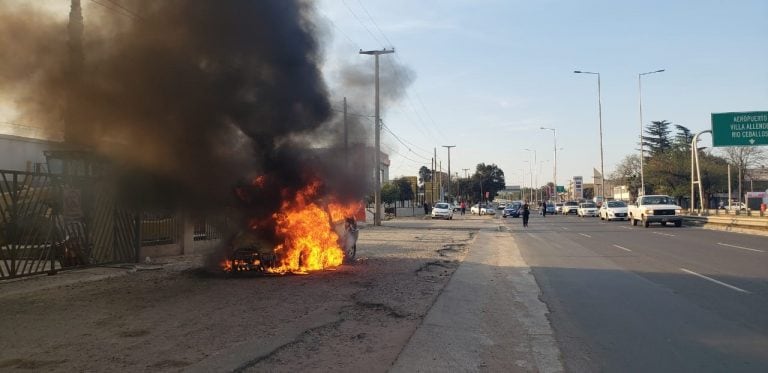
column 377, row 124
column 434, row 166
column 449, row 167
column 346, row 137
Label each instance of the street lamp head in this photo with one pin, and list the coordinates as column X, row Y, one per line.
column 577, row 71
column 659, row 71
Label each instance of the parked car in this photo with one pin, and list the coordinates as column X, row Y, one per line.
column 442, row 210
column 613, row 210
column 587, row 209
column 570, row 207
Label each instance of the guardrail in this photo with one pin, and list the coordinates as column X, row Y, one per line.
column 757, row 223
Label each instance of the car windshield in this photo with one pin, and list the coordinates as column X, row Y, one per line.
column 441, row 206
column 571, row 204
column 588, row 205
column 616, row 204
column 656, row 200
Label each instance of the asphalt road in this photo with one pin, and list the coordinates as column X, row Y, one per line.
column 661, row 299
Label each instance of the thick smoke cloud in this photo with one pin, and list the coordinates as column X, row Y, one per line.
column 191, row 96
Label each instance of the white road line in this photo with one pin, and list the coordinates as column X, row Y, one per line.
column 621, row 226
column 740, row 247
column 623, row 248
column 565, row 228
column 715, row 281
column 664, row 234
column 585, row 235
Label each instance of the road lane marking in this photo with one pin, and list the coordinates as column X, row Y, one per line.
column 715, row 281
column 565, row 228
column 623, row 248
column 664, row 234
column 740, row 247
column 585, row 235
column 625, row 227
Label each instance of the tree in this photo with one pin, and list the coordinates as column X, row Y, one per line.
column 743, row 157
column 487, row 178
column 628, row 173
column 657, row 137
column 405, row 190
column 683, row 138
column 425, row 174
column 390, row 193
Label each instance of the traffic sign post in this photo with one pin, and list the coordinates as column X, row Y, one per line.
column 740, row 129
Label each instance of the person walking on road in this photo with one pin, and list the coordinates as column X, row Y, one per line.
column 526, row 214
column 544, row 209
column 463, row 207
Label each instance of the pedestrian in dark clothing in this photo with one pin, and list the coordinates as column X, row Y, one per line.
column 544, row 209
column 426, row 208
column 526, row 214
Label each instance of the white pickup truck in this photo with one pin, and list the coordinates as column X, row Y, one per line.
column 655, row 209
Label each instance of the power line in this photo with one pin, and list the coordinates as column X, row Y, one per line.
column 374, row 23
column 115, row 3
column 361, row 23
column 118, row 10
column 404, row 144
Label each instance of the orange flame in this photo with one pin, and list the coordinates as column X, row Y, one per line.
column 307, row 229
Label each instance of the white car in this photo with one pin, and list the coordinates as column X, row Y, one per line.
column 587, row 209
column 482, row 210
column 442, row 210
column 570, row 207
column 614, row 210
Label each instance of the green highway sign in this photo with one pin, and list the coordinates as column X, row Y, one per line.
column 740, row 129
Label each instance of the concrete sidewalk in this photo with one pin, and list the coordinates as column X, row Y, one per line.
column 488, row 318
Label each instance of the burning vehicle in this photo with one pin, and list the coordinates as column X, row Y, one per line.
column 311, row 231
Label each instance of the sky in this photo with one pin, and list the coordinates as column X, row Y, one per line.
column 489, row 74
column 486, row 75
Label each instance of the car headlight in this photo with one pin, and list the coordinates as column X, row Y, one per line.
column 678, row 212
column 649, row 212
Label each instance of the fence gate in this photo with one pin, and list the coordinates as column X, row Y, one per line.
column 52, row 222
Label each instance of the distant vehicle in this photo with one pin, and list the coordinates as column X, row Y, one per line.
column 442, row 210
column 613, row 210
column 587, row 209
column 512, row 209
column 736, row 206
column 655, row 209
column 482, row 210
column 570, row 207
column 502, row 205
column 559, row 208
column 551, row 208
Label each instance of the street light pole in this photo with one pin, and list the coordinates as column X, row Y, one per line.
column 534, row 162
column 642, row 148
column 600, row 120
column 554, row 167
column 377, row 125
column 449, row 168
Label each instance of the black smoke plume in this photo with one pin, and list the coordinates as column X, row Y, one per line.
column 190, row 97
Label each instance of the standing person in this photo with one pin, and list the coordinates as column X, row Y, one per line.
column 463, row 207
column 544, row 209
column 526, row 214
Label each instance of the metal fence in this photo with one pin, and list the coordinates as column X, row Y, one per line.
column 53, row 222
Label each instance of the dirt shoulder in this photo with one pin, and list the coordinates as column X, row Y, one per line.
column 180, row 318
